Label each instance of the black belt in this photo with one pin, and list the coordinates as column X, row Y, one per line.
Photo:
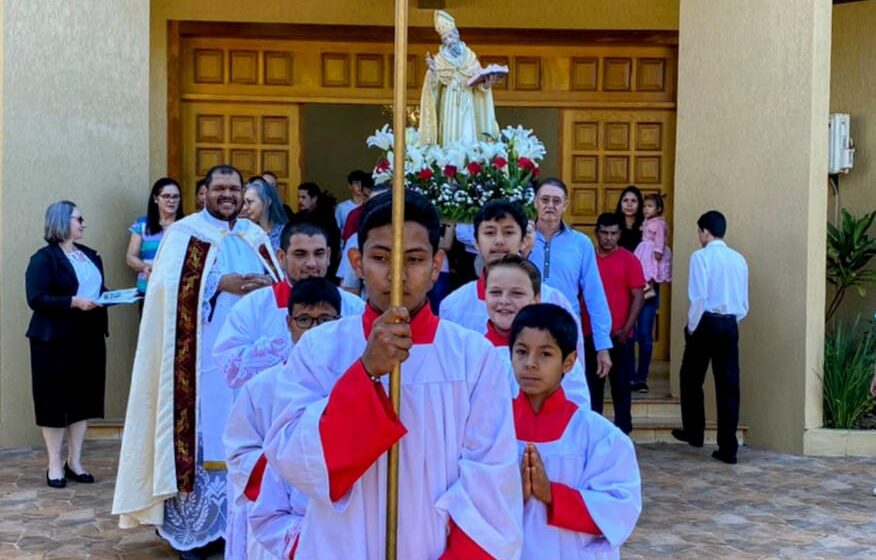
column 718, row 315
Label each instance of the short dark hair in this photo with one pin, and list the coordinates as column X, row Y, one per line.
column 498, row 209
column 153, row 216
column 300, row 228
column 377, row 212
column 520, row 263
column 553, row 182
column 607, row 219
column 312, row 189
column 222, row 169
column 201, row 183
column 714, row 222
column 310, row 292
column 357, row 175
column 551, row 318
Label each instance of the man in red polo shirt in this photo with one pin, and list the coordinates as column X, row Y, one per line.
column 624, row 284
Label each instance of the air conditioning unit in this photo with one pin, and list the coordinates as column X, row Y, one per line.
column 841, row 150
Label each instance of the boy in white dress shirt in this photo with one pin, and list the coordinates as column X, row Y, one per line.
column 718, row 292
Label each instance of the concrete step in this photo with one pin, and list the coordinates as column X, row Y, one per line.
column 104, row 429
column 650, row 408
column 659, row 430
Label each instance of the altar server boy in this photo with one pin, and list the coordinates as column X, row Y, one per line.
column 312, row 302
column 500, row 229
column 580, row 477
column 513, row 283
column 459, row 480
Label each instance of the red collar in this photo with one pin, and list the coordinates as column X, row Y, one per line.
column 551, row 421
column 424, row 324
column 282, row 292
column 497, row 338
column 482, row 287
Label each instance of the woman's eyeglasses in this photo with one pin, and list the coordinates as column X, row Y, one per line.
column 79, row 219
column 306, row 321
column 168, row 196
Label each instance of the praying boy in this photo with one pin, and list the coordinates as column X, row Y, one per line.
column 513, row 282
column 459, row 482
column 312, row 302
column 581, row 482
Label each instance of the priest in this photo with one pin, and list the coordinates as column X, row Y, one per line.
column 171, row 467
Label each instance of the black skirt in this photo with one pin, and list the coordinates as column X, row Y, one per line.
column 69, row 379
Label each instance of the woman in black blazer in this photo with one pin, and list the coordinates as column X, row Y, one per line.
column 67, row 348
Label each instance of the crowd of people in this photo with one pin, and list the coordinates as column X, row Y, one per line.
column 258, row 417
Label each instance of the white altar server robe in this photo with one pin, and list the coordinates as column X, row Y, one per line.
column 466, row 306
column 251, row 416
column 458, row 460
column 275, row 517
column 255, row 336
column 594, row 479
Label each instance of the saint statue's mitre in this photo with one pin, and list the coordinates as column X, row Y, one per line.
column 444, row 22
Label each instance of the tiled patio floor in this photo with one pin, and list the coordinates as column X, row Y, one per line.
column 768, row 506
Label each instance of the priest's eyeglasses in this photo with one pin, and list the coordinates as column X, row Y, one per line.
column 306, row 321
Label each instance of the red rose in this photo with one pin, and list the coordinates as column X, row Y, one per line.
column 425, row 174
column 525, row 164
column 536, row 172
column 382, row 165
column 474, row 168
column 450, row 171
column 500, row 162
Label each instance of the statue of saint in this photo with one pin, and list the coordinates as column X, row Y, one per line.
column 457, row 99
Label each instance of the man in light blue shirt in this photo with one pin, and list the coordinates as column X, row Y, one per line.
column 567, row 262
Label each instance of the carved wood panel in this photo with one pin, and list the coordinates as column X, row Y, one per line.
column 606, row 150
column 254, row 138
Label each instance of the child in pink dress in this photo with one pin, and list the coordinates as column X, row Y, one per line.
column 653, row 252
column 656, row 259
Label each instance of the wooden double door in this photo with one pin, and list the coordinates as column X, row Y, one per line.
column 238, row 100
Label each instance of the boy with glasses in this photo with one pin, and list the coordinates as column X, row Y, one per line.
column 313, row 302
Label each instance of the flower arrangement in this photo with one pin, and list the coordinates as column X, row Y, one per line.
column 459, row 179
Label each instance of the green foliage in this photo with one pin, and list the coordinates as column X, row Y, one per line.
column 849, row 356
column 849, row 251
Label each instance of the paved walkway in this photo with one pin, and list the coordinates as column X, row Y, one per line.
column 769, row 506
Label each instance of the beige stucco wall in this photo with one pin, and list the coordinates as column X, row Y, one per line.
column 853, row 90
column 558, row 14
column 75, row 124
column 752, row 142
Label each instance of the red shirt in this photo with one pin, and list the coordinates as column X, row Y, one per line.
column 621, row 273
column 351, row 226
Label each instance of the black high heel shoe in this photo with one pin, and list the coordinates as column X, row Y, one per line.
column 84, row 478
column 56, row 482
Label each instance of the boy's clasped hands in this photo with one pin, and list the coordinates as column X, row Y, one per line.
column 535, row 481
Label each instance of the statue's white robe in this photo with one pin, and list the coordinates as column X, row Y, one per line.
column 451, row 110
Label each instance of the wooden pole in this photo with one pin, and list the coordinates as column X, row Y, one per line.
column 399, row 123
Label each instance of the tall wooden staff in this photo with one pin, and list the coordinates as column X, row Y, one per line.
column 399, row 122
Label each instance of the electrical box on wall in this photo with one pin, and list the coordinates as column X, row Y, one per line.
column 841, row 148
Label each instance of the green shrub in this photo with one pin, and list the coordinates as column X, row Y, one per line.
column 849, row 355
